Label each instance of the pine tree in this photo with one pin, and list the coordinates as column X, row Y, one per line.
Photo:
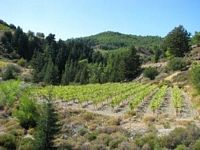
column 47, row 126
column 65, row 76
column 51, row 73
column 84, row 76
column 132, row 64
column 176, row 43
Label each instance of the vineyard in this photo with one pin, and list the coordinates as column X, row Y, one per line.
column 112, row 108
column 120, row 98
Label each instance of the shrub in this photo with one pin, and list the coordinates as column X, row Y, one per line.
column 92, row 136
column 9, row 91
column 21, row 62
column 127, row 146
column 27, row 112
column 103, row 139
column 181, row 147
column 182, row 136
column 26, row 77
column 27, row 144
column 149, row 140
column 195, row 76
column 82, row 131
column 117, row 139
column 88, row 116
column 8, row 141
column 150, row 73
column 10, row 72
column 196, row 145
column 177, row 63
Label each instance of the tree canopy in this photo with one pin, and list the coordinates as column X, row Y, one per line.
column 176, row 43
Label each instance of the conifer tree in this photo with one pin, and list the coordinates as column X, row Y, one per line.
column 65, row 76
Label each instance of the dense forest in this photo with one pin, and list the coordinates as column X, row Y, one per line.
column 82, row 60
column 114, row 40
column 64, row 62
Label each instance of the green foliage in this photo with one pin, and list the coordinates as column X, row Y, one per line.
column 157, row 54
column 150, row 73
column 38, row 63
column 149, row 139
column 176, row 43
column 181, row 147
column 27, row 112
column 196, row 145
column 10, row 72
column 196, row 38
column 114, row 40
column 195, row 76
column 9, row 91
column 177, row 63
column 65, row 77
column 21, row 62
column 8, row 141
column 181, row 136
column 116, row 140
column 27, row 144
column 51, row 73
column 92, row 136
column 132, row 64
column 158, row 98
column 47, row 124
column 4, row 27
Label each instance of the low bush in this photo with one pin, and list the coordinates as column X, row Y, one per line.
column 10, row 72
column 116, row 139
column 196, row 145
column 92, row 136
column 8, row 141
column 82, row 131
column 27, row 144
column 27, row 112
column 195, row 76
column 104, row 139
column 150, row 73
column 181, row 136
column 148, row 141
column 88, row 116
column 177, row 63
column 21, row 62
column 181, row 147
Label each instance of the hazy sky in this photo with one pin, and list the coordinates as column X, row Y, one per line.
column 76, row 18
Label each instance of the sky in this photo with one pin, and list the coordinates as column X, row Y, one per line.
column 78, row 18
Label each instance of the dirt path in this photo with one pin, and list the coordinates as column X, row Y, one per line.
column 107, row 111
column 170, row 77
column 144, row 107
column 159, row 64
column 188, row 111
column 167, row 108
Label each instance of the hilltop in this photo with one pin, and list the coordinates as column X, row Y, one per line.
column 114, row 40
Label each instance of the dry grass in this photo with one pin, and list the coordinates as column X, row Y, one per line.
column 184, row 122
column 149, row 119
column 195, row 97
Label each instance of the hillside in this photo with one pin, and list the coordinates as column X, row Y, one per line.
column 68, row 95
column 5, row 27
column 114, row 40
